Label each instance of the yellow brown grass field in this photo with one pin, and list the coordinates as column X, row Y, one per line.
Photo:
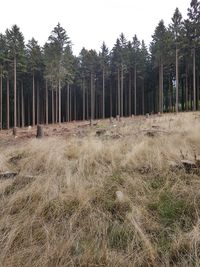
column 115, row 194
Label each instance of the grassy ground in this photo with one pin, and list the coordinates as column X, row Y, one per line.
column 115, row 194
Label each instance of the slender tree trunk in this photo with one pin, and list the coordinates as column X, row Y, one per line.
column 56, row 105
column 83, row 99
column 103, row 102
column 1, row 102
column 33, row 101
column 197, row 92
column 68, row 102
column 8, row 103
column 87, row 96
column 143, row 97
column 22, row 103
column 186, row 88
column 194, row 79
column 118, row 89
column 29, row 115
column 18, row 108
column 177, row 81
column 135, row 90
column 59, row 101
column 52, row 106
column 129, row 95
column 15, row 92
column 47, row 103
column 122, row 91
column 110, row 99
column 38, row 103
column 75, row 105
column 161, row 88
column 92, row 98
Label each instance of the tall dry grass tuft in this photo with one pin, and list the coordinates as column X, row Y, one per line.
column 123, row 198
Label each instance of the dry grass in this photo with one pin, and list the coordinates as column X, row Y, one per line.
column 63, row 209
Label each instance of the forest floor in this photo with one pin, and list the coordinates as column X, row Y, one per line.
column 113, row 194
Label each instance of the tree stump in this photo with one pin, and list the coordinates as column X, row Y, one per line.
column 40, row 131
column 15, row 131
column 117, row 118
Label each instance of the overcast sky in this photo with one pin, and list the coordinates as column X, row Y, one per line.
column 89, row 22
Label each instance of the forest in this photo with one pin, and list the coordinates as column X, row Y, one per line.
column 49, row 84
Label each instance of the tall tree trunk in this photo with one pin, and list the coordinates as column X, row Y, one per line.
column 135, row 90
column 103, row 102
column 143, row 96
column 122, row 91
column 68, row 102
column 22, row 103
column 15, row 92
column 186, row 88
column 92, row 98
column 75, row 105
column 38, row 103
column 29, row 111
column 1, row 102
column 161, row 86
column 59, row 101
column 110, row 99
column 197, row 92
column 52, row 106
column 129, row 95
column 83, row 99
column 33, row 101
column 18, row 108
column 47, row 103
column 87, row 96
column 194, row 79
column 177, row 80
column 56, row 105
column 8, row 103
column 118, row 89
column 162, row 98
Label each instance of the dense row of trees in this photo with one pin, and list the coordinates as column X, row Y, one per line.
column 50, row 84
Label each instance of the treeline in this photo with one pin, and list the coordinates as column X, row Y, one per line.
column 49, row 84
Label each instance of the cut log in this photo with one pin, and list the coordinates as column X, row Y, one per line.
column 188, row 165
column 100, row 132
column 15, row 131
column 40, row 131
column 7, row 175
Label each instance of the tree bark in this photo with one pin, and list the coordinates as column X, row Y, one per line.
column 129, row 95
column 68, row 102
column 103, row 102
column 118, row 89
column 194, row 79
column 186, row 88
column 1, row 102
column 38, row 103
column 52, row 106
column 177, row 81
column 83, row 99
column 15, row 92
column 122, row 91
column 22, row 103
column 47, row 103
column 8, row 103
column 33, row 101
column 59, row 101
column 56, row 105
column 135, row 90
